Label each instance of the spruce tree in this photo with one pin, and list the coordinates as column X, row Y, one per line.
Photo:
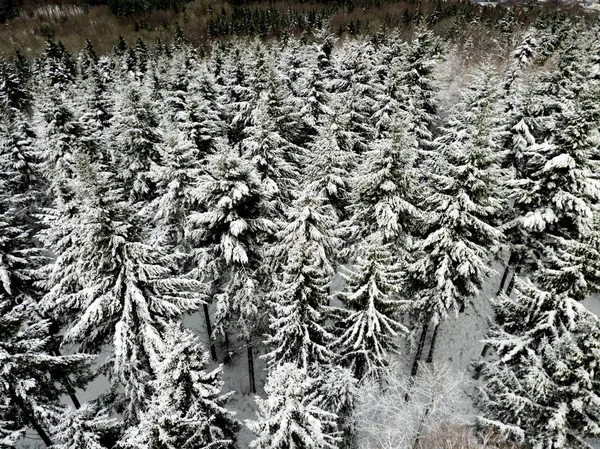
column 269, row 151
column 227, row 235
column 115, row 288
column 452, row 258
column 368, row 328
column 385, row 195
column 284, row 420
column 417, row 88
column 186, row 407
column 331, row 161
column 88, row 427
column 136, row 138
column 302, row 256
column 540, row 391
column 31, row 378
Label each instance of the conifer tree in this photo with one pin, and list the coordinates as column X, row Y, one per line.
column 540, row 391
column 187, row 407
column 368, row 330
column 330, row 162
column 451, row 261
column 173, row 176
column 88, row 427
column 203, row 116
column 240, row 96
column 58, row 146
column 417, row 86
column 228, row 235
column 385, row 195
column 227, row 239
column 136, row 137
column 14, row 92
column 30, row 378
column 284, row 420
column 58, row 66
column 117, row 289
column 303, row 254
column 269, row 151
column 355, row 89
column 313, row 102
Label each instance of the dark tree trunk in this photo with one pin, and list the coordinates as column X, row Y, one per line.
column 432, row 345
column 513, row 280
column 227, row 357
column 29, row 417
column 503, row 281
column 417, row 359
column 67, row 383
column 251, row 366
column 506, row 272
column 419, row 353
column 213, row 349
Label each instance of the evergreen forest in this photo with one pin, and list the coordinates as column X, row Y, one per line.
column 376, row 239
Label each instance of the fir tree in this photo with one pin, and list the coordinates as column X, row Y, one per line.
column 368, row 330
column 227, row 237
column 269, row 152
column 418, row 88
column 174, row 177
column 187, row 407
column 451, row 260
column 385, row 195
column 30, row 378
column 284, row 420
column 125, row 292
column 540, row 391
column 136, row 139
column 88, row 427
column 303, row 253
column 330, row 162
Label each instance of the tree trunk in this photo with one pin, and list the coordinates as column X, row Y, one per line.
column 512, row 281
column 419, row 353
column 503, row 281
column 251, row 366
column 67, row 383
column 506, row 272
column 29, row 417
column 227, row 357
column 432, row 345
column 213, row 350
column 417, row 359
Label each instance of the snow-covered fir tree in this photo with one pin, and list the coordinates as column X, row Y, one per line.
column 417, row 87
column 88, row 427
column 368, row 329
column 116, row 289
column 451, row 259
column 285, row 421
column 135, row 134
column 270, row 152
column 228, row 236
column 187, row 407
column 303, row 263
column 32, row 380
column 331, row 160
column 385, row 195
column 540, row 391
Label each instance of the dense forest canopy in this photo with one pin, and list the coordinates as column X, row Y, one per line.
column 325, row 201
